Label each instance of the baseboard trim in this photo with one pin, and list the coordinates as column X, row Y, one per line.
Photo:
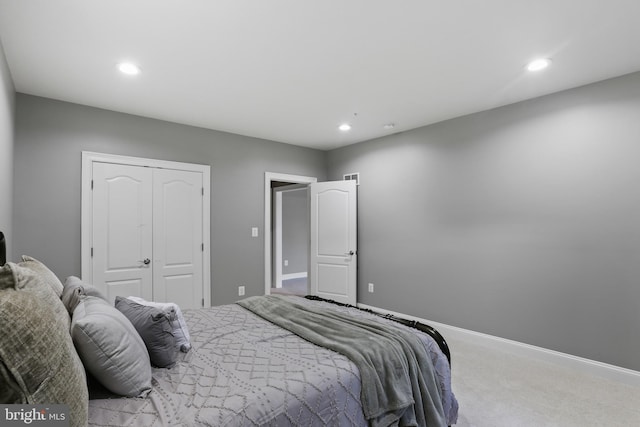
column 569, row 361
column 290, row 276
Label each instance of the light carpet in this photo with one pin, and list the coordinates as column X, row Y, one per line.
column 496, row 388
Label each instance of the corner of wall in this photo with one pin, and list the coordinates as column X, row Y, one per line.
column 7, row 119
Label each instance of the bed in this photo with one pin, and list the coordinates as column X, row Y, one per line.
column 245, row 370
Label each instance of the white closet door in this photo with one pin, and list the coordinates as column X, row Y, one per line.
column 333, row 252
column 122, row 230
column 177, row 237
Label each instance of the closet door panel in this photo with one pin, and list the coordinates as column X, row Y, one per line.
column 122, row 230
column 177, row 237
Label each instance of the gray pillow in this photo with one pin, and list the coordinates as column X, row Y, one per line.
column 154, row 326
column 73, row 291
column 25, row 278
column 180, row 329
column 43, row 271
column 110, row 348
column 38, row 363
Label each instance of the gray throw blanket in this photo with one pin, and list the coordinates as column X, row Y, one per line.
column 398, row 381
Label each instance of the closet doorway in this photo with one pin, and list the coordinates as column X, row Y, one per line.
column 145, row 229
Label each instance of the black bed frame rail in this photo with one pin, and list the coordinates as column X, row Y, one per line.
column 433, row 333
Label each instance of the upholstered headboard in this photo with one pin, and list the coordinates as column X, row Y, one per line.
column 3, row 250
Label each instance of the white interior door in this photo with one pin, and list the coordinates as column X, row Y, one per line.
column 146, row 227
column 333, row 250
column 177, row 237
column 122, row 230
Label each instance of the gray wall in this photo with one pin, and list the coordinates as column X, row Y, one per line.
column 295, row 231
column 7, row 98
column 50, row 136
column 521, row 222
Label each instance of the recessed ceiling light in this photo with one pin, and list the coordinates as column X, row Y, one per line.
column 344, row 127
column 128, row 68
column 389, row 126
column 538, row 64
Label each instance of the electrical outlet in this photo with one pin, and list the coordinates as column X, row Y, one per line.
column 286, row 262
column 240, row 291
column 371, row 287
column 254, row 231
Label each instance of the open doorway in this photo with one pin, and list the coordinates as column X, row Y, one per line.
column 286, row 242
column 290, row 233
column 332, row 242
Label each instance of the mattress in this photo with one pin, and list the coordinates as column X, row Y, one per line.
column 245, row 371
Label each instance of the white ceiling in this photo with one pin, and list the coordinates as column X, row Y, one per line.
column 293, row 70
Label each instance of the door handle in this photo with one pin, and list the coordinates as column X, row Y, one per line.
column 350, row 253
column 146, row 261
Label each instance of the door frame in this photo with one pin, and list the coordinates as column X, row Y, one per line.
column 89, row 157
column 268, row 178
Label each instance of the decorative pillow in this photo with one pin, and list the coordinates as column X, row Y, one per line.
column 15, row 276
column 45, row 274
column 73, row 291
column 154, row 326
column 180, row 330
column 110, row 348
column 38, row 363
